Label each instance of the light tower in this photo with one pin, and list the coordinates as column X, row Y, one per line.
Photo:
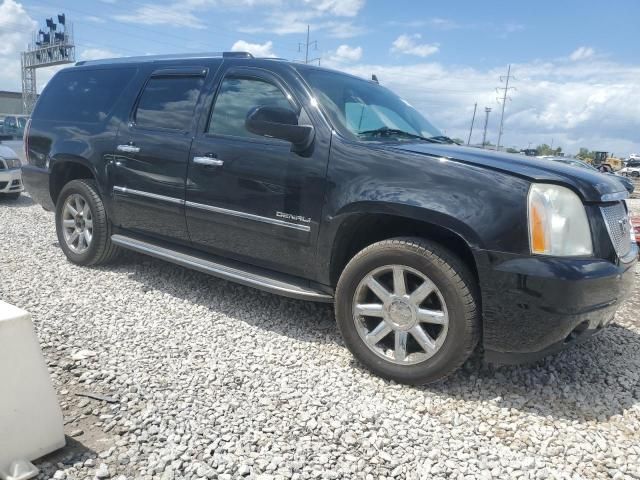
column 47, row 48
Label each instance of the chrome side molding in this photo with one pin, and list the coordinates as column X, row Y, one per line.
column 211, row 208
column 249, row 276
column 249, row 216
column 155, row 196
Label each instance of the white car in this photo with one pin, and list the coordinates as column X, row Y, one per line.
column 10, row 174
column 632, row 169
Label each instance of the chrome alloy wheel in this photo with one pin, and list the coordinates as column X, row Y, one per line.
column 77, row 223
column 400, row 314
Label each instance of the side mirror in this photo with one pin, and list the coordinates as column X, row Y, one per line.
column 282, row 123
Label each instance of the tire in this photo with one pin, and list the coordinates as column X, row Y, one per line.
column 455, row 300
column 635, row 174
column 99, row 249
column 10, row 196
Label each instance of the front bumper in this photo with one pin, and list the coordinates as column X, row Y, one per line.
column 11, row 181
column 533, row 306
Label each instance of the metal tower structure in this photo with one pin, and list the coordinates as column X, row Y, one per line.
column 47, row 49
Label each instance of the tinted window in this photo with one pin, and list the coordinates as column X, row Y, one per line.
column 82, row 95
column 236, row 97
column 168, row 102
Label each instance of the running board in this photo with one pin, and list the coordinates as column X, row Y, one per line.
column 247, row 275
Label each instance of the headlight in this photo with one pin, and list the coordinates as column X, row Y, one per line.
column 558, row 222
column 11, row 162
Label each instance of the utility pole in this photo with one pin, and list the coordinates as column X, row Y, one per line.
column 306, row 46
column 473, row 119
column 487, row 110
column 505, row 90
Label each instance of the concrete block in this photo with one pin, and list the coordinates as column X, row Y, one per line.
column 30, row 417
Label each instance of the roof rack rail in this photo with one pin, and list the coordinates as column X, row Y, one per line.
column 178, row 56
column 236, row 55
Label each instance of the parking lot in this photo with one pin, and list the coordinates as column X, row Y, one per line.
column 196, row 377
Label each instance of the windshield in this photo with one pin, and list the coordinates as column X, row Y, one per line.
column 363, row 110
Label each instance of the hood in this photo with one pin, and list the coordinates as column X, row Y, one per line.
column 592, row 186
column 6, row 152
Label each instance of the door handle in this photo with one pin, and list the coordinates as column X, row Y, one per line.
column 208, row 161
column 128, row 148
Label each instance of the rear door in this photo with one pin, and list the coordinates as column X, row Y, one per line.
column 250, row 197
column 152, row 152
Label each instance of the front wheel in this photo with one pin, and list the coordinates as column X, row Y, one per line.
column 407, row 309
column 84, row 231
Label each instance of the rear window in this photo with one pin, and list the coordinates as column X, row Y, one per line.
column 83, row 95
column 168, row 102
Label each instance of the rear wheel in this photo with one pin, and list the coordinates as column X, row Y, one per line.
column 407, row 310
column 84, row 231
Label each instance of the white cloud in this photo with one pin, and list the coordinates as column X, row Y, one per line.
column 290, row 17
column 255, row 49
column 177, row 14
column 587, row 104
column 408, row 44
column 340, row 8
column 15, row 33
column 345, row 52
column 582, row 53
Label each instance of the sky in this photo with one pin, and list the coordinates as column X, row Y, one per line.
column 575, row 64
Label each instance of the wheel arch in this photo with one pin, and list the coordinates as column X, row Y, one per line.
column 361, row 225
column 66, row 168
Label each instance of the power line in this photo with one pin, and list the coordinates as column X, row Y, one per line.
column 505, row 90
column 306, row 46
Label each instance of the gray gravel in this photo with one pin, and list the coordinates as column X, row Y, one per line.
column 167, row 373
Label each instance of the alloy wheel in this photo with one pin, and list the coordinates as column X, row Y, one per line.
column 77, row 223
column 400, row 314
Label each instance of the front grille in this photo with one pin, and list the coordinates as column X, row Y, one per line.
column 2, row 185
column 2, row 165
column 619, row 227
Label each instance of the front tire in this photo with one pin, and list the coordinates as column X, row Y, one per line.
column 84, row 231
column 407, row 309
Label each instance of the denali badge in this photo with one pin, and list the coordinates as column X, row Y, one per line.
column 289, row 216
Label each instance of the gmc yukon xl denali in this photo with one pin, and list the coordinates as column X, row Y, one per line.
column 322, row 186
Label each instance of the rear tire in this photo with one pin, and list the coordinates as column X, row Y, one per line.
column 84, row 231
column 393, row 330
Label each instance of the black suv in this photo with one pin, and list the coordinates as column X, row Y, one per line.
column 322, row 186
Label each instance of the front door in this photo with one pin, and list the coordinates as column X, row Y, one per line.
column 152, row 153
column 250, row 197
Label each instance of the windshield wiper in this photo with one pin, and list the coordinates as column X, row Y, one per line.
column 386, row 131
column 442, row 139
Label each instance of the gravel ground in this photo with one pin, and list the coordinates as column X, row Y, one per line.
column 202, row 378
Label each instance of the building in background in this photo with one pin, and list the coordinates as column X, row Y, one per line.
column 10, row 103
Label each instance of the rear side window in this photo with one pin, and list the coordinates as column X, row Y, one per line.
column 83, row 95
column 168, row 102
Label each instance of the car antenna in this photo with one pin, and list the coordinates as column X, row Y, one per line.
column 374, row 78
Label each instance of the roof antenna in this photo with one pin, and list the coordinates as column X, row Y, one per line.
column 374, row 78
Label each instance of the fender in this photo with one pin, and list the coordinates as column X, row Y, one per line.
column 484, row 207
